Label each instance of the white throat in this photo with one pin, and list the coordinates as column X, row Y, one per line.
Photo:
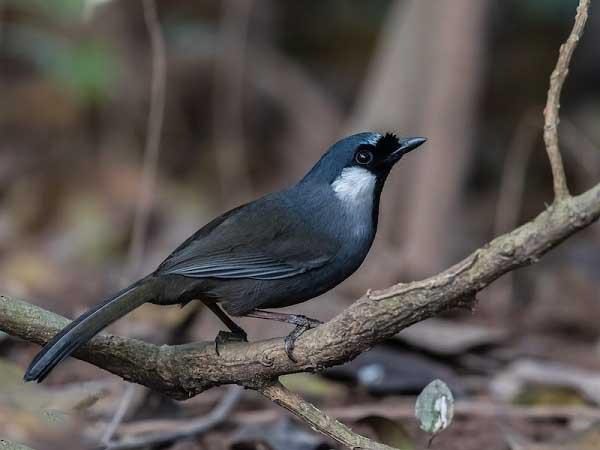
column 355, row 187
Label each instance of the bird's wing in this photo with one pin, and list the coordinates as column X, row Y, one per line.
column 256, row 266
column 264, row 240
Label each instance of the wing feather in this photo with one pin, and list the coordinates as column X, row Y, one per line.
column 263, row 240
column 257, row 267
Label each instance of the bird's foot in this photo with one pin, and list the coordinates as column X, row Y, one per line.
column 225, row 337
column 303, row 324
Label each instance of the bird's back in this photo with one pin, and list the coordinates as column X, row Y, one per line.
column 281, row 249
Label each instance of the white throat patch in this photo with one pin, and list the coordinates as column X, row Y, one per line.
column 355, row 186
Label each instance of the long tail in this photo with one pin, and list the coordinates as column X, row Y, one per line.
column 87, row 326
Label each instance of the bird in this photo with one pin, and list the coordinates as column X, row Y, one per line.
column 282, row 249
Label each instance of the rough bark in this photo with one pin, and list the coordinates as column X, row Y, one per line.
column 186, row 370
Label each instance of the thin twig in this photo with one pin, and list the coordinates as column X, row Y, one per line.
column 148, row 183
column 119, row 415
column 154, row 130
column 316, row 418
column 217, row 416
column 551, row 112
column 187, row 370
column 184, row 371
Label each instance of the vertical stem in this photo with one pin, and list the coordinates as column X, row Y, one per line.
column 155, row 123
column 551, row 111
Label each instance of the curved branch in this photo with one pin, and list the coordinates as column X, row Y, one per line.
column 551, row 112
column 186, row 370
column 317, row 419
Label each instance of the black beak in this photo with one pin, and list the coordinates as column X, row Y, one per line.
column 406, row 145
column 410, row 144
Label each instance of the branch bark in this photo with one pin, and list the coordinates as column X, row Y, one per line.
column 551, row 112
column 187, row 370
column 317, row 419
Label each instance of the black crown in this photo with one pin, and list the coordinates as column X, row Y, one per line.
column 387, row 143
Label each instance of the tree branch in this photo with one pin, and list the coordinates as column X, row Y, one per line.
column 187, row 370
column 551, row 111
column 317, row 419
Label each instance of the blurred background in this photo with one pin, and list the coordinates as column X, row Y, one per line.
column 255, row 91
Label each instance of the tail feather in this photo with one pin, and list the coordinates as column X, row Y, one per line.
column 85, row 327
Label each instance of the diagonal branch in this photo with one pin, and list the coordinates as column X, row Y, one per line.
column 317, row 419
column 187, row 370
column 551, row 112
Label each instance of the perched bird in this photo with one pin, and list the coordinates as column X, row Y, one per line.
column 284, row 248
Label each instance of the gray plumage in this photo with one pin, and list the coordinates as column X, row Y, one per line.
column 284, row 248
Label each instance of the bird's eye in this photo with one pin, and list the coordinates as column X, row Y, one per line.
column 363, row 157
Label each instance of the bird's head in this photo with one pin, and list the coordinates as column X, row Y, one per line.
column 361, row 161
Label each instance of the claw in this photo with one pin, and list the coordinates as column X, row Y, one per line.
column 303, row 324
column 225, row 337
column 300, row 320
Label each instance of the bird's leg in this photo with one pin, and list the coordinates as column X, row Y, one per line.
column 236, row 332
column 302, row 323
